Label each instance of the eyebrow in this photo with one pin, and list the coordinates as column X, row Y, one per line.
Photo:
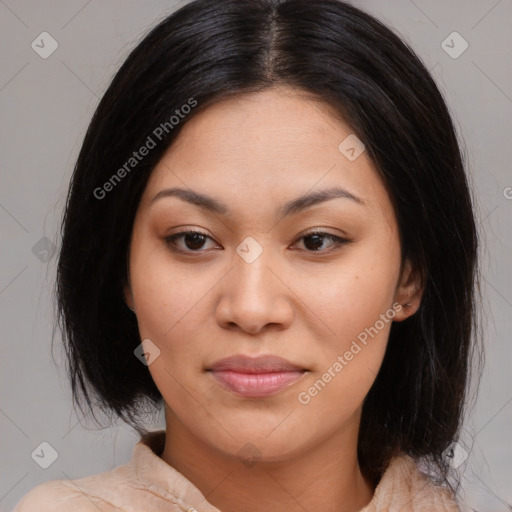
column 291, row 207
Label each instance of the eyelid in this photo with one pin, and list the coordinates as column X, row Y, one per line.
column 321, row 231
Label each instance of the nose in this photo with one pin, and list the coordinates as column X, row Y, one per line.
column 254, row 297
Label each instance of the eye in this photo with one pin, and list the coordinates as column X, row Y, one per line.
column 314, row 241
column 193, row 240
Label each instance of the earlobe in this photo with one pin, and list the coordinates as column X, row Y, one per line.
column 408, row 293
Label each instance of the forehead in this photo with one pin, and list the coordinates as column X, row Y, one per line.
column 264, row 147
column 248, row 122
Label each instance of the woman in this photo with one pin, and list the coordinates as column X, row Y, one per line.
column 269, row 231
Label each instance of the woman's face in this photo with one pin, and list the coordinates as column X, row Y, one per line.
column 254, row 175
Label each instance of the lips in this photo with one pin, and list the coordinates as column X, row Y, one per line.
column 261, row 364
column 255, row 377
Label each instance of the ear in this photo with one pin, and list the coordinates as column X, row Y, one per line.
column 408, row 292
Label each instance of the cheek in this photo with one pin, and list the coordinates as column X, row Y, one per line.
column 347, row 365
column 166, row 294
column 172, row 305
column 336, row 396
column 355, row 302
column 351, row 296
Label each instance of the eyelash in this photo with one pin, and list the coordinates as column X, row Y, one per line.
column 338, row 241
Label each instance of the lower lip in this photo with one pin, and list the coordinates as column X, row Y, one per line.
column 256, row 385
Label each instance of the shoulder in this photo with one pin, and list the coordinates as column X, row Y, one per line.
column 101, row 491
column 407, row 488
column 60, row 496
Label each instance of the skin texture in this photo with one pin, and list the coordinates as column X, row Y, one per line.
column 254, row 153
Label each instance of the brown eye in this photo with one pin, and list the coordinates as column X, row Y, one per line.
column 194, row 240
column 314, row 242
column 191, row 241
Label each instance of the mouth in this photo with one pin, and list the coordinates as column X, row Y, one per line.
column 255, row 377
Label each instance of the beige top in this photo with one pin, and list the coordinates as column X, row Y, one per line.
column 149, row 484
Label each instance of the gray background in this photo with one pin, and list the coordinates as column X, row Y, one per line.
column 45, row 107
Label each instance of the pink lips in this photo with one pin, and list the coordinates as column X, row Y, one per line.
column 255, row 377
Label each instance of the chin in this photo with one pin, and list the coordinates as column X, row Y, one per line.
column 265, row 445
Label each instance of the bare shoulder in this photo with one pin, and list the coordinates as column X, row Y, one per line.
column 60, row 496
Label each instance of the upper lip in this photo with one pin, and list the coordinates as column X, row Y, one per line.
column 260, row 364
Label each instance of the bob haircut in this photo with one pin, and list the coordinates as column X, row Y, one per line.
column 209, row 50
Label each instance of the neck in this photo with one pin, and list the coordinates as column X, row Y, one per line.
column 325, row 477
